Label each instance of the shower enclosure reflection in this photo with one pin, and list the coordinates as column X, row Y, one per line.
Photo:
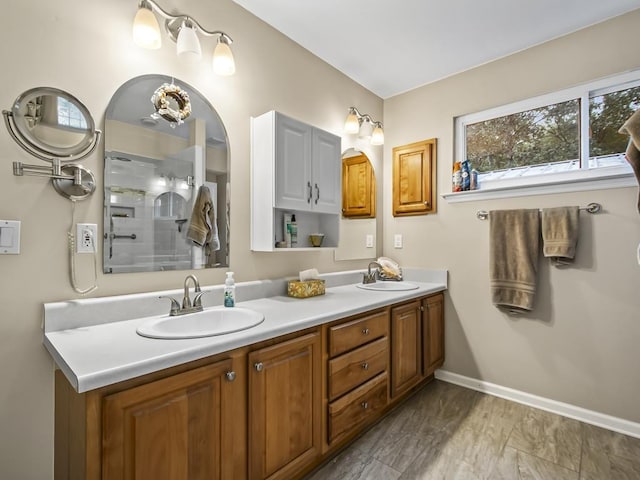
column 161, row 149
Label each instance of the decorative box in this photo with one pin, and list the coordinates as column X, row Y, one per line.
column 307, row 289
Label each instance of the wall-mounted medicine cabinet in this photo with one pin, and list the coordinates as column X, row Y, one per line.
column 295, row 169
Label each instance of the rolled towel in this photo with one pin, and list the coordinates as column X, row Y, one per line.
column 514, row 241
column 560, row 234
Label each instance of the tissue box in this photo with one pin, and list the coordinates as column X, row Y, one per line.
column 309, row 288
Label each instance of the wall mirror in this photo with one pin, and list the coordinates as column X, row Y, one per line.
column 166, row 151
column 358, row 226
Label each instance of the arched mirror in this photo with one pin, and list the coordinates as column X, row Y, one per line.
column 166, row 179
column 358, row 226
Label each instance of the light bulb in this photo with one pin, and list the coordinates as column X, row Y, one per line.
column 223, row 63
column 352, row 124
column 377, row 136
column 187, row 43
column 146, row 31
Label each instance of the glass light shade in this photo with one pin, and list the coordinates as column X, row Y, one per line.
column 377, row 137
column 187, row 44
column 352, row 124
column 223, row 62
column 146, row 31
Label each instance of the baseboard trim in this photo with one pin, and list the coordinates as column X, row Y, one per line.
column 609, row 422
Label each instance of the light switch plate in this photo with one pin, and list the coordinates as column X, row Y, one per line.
column 397, row 240
column 369, row 241
column 10, row 237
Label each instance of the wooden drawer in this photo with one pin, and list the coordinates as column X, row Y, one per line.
column 350, row 412
column 351, row 369
column 350, row 335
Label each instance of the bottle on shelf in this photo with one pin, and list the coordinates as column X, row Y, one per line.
column 294, row 231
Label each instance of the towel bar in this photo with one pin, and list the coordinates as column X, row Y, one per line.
column 591, row 208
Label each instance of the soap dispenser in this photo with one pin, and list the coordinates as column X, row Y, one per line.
column 229, row 291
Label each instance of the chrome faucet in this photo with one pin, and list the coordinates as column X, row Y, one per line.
column 370, row 277
column 187, row 305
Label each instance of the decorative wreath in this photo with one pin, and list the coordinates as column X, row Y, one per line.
column 163, row 108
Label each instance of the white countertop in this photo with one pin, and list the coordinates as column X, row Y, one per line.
column 98, row 354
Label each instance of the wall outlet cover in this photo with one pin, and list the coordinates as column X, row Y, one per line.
column 86, row 237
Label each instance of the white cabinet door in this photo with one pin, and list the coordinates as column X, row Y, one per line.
column 293, row 164
column 326, row 172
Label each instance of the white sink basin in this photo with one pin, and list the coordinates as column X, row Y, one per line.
column 208, row 323
column 388, row 286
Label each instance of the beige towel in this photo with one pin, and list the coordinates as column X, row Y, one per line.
column 203, row 218
column 513, row 256
column 560, row 234
column 632, row 128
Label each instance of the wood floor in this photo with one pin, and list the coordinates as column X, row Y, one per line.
column 450, row 432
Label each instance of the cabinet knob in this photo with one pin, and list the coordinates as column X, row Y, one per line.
column 258, row 366
column 231, row 376
column 421, row 308
column 427, row 204
column 317, row 193
column 365, row 366
column 365, row 331
column 364, row 405
column 310, row 192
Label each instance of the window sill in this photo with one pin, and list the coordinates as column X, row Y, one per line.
column 616, row 177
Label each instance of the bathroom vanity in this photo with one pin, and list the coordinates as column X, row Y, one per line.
column 273, row 401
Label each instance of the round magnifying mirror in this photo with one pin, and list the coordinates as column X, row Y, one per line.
column 52, row 123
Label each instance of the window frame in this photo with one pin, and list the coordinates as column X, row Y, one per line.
column 584, row 178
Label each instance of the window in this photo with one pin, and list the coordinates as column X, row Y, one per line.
column 69, row 115
column 565, row 137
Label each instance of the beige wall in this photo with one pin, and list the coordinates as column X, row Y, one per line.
column 580, row 346
column 85, row 48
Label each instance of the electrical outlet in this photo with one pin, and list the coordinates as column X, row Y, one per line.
column 397, row 240
column 86, row 237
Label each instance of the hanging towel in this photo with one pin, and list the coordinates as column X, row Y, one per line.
column 560, row 234
column 513, row 258
column 632, row 128
column 203, row 230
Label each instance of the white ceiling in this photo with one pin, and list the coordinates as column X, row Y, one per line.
column 392, row 46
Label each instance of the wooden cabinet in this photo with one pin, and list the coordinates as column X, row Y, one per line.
column 358, row 188
column 269, row 411
column 357, row 373
column 417, row 341
column 295, row 168
column 432, row 333
column 285, row 399
column 406, row 347
column 168, row 429
column 173, row 425
column 414, row 179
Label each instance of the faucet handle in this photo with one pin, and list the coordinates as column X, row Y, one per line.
column 197, row 300
column 175, row 306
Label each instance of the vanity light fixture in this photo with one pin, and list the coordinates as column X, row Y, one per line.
column 183, row 30
column 355, row 120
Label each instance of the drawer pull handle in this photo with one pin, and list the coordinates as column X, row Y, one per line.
column 365, row 366
column 258, row 366
column 365, row 331
column 364, row 405
column 231, row 376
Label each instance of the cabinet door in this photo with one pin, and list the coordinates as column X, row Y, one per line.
column 325, row 172
column 292, row 164
column 414, row 178
column 285, row 401
column 406, row 347
column 170, row 429
column 358, row 188
column 433, row 333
